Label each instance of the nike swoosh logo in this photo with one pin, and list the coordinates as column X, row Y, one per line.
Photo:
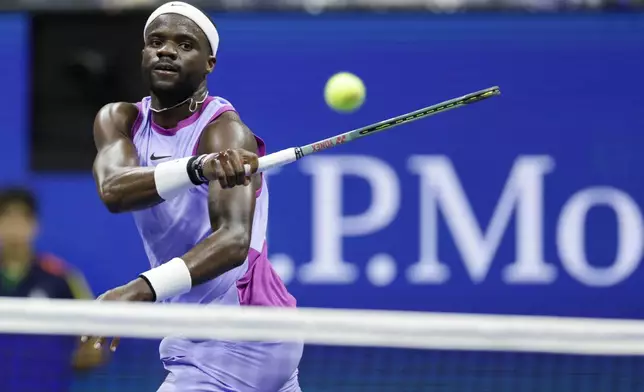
column 156, row 158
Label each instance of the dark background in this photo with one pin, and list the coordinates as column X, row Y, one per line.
column 79, row 59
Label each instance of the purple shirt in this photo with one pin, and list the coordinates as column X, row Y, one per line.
column 172, row 228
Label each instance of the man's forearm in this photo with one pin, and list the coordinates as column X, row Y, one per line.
column 130, row 189
column 222, row 251
column 138, row 188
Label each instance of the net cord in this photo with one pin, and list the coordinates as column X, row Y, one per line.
column 325, row 326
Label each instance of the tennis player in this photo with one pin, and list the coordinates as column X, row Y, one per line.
column 176, row 160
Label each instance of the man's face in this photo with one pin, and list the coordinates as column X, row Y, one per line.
column 18, row 226
column 176, row 57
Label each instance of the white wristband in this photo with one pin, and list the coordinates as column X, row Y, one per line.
column 169, row 280
column 171, row 178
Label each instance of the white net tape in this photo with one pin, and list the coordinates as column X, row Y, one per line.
column 325, row 326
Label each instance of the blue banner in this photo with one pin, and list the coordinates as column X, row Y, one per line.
column 527, row 203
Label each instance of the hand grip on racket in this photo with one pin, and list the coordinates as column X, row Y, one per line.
column 292, row 154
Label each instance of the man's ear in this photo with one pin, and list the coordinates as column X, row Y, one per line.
column 211, row 64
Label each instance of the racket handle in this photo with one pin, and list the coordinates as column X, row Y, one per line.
column 275, row 159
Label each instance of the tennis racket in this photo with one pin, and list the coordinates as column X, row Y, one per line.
column 292, row 154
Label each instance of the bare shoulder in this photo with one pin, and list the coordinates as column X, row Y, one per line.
column 227, row 131
column 115, row 118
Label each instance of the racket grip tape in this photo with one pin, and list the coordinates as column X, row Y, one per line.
column 276, row 159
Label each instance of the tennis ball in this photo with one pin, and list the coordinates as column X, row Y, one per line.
column 344, row 92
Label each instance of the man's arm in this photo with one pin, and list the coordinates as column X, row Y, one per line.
column 231, row 215
column 122, row 184
column 231, row 210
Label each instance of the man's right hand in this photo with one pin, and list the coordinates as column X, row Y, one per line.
column 227, row 167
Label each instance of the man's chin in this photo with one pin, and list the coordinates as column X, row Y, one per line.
column 164, row 86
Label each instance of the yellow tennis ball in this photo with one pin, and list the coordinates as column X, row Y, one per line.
column 344, row 92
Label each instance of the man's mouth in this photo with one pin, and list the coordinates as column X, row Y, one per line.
column 166, row 68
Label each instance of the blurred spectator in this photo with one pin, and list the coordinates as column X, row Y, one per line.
column 36, row 363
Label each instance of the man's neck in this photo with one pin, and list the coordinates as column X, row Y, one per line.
column 170, row 118
column 15, row 260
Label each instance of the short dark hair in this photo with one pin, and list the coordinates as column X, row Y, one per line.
column 18, row 195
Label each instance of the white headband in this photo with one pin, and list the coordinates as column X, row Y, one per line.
column 192, row 13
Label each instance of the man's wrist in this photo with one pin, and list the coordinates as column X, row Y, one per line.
column 196, row 169
column 172, row 178
column 168, row 280
column 142, row 291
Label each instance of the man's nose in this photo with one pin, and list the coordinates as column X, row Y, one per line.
column 167, row 50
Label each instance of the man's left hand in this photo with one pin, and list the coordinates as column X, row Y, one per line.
column 135, row 291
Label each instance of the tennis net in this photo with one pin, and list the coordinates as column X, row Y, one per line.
column 345, row 350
